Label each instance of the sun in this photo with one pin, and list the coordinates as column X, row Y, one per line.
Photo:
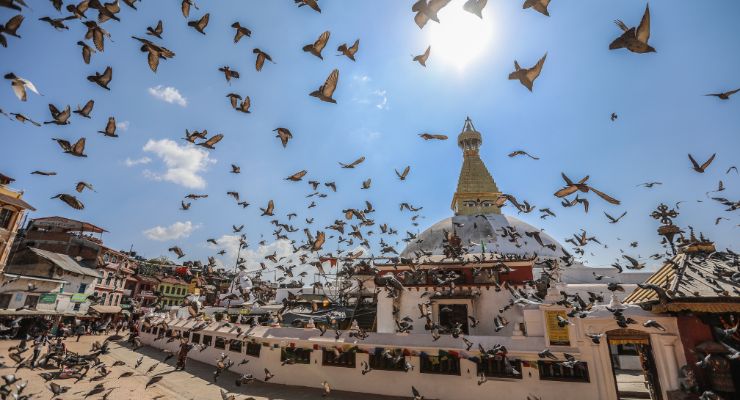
column 459, row 38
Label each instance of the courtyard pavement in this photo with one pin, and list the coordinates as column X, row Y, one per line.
column 194, row 384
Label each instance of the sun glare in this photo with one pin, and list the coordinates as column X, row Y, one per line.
column 460, row 37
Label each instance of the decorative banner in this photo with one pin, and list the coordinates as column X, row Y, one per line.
column 79, row 298
column 558, row 336
column 48, row 298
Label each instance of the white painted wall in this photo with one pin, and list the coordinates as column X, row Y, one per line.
column 668, row 355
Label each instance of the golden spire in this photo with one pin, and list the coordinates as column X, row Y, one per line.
column 476, row 191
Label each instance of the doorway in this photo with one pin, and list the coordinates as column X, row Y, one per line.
column 633, row 365
column 452, row 314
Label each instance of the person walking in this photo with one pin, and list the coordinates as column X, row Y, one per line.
column 38, row 345
column 80, row 331
column 182, row 355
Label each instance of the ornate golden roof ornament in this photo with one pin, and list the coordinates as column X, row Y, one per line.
column 476, row 190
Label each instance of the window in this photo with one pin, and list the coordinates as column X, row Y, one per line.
column 555, row 371
column 103, row 296
column 298, row 356
column 235, row 345
column 495, row 367
column 387, row 361
column 76, row 307
column 253, row 349
column 452, row 314
column 207, row 340
column 196, row 338
column 445, row 364
column 5, row 217
column 108, row 280
column 155, row 331
column 168, row 333
column 220, row 343
column 83, row 287
column 344, row 359
column 5, row 300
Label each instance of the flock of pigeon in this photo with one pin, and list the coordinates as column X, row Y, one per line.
column 634, row 39
column 355, row 226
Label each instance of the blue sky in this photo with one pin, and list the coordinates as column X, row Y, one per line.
column 384, row 101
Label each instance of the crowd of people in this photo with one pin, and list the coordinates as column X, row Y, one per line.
column 38, row 334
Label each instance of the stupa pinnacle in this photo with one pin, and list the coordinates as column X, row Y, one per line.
column 476, row 190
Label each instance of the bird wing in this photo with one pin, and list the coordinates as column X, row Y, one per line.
column 19, row 90
column 605, row 196
column 110, row 127
column 320, row 43
column 568, row 190
column 406, row 171
column 709, row 161
column 356, row 46
column 107, row 75
column 260, row 61
column 153, row 59
column 13, row 24
column 643, row 30
column 331, row 84
column 203, row 22
column 358, row 161
column 79, row 147
column 213, row 140
column 185, row 8
column 693, row 162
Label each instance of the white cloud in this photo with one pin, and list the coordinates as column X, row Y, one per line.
column 366, row 94
column 253, row 257
column 143, row 160
column 168, row 94
column 175, row 231
column 184, row 163
column 122, row 125
column 361, row 78
column 382, row 101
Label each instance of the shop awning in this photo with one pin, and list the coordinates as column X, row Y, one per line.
column 28, row 312
column 105, row 309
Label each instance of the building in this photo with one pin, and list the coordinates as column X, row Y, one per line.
column 699, row 286
column 42, row 280
column 466, row 320
column 172, row 289
column 141, row 288
column 12, row 208
column 82, row 241
column 115, row 271
column 65, row 236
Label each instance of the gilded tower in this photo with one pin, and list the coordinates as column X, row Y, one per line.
column 476, row 191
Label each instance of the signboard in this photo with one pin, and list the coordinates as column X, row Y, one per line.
column 79, row 298
column 558, row 336
column 48, row 298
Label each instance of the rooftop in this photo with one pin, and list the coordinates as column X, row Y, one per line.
column 693, row 277
column 67, row 224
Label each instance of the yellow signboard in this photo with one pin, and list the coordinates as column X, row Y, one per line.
column 558, row 336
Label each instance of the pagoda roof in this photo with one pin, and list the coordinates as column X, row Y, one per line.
column 693, row 281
